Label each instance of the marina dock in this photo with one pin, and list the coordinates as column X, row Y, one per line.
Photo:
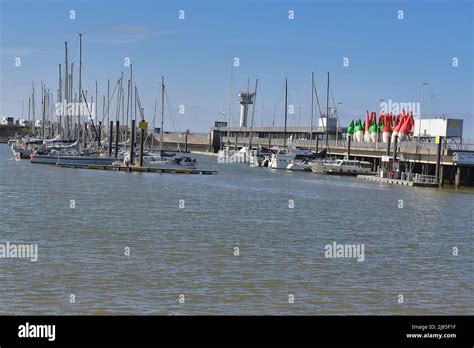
column 140, row 169
column 397, row 181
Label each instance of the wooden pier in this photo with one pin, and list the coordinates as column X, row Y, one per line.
column 140, row 169
column 396, row 181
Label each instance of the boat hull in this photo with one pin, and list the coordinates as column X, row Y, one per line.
column 318, row 167
column 46, row 159
column 21, row 153
column 168, row 165
column 280, row 161
column 299, row 167
column 348, row 172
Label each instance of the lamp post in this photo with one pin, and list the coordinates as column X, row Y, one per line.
column 429, row 120
column 431, row 100
column 421, row 109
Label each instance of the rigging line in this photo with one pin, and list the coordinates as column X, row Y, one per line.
column 279, row 105
column 111, row 97
column 319, row 106
column 262, row 103
column 155, row 97
column 172, row 112
column 337, row 115
column 307, row 100
column 334, row 103
column 172, row 118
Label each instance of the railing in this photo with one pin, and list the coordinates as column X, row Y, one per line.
column 466, row 145
column 424, row 178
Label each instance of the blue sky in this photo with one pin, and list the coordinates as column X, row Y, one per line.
column 389, row 58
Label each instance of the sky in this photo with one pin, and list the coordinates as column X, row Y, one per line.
column 387, row 55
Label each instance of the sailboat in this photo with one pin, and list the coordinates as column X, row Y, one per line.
column 64, row 151
column 318, row 165
column 163, row 159
column 282, row 158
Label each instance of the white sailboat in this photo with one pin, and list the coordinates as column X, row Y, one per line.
column 159, row 160
column 282, row 158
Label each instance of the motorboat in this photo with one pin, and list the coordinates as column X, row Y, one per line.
column 348, row 167
column 299, row 165
column 184, row 162
column 281, row 159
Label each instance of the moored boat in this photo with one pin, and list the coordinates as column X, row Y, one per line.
column 70, row 159
column 280, row 160
column 348, row 167
column 318, row 166
column 297, row 165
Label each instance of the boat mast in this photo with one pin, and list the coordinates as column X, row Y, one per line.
column 230, row 106
column 96, row 101
column 154, row 120
column 128, row 105
column 162, row 111
column 327, row 117
column 286, row 111
column 253, row 113
column 72, row 97
column 60, row 97
column 123, row 115
column 33, row 110
column 312, row 112
column 66, row 90
column 108, row 100
column 44, row 118
column 29, row 108
column 80, row 77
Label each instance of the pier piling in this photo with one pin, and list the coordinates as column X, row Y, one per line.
column 438, row 159
column 111, row 134
column 99, row 133
column 349, row 137
column 441, row 176
column 457, row 177
column 142, row 143
column 395, row 144
column 132, row 143
column 186, row 141
column 117, row 132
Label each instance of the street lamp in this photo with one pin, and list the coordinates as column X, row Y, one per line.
column 431, row 100
column 429, row 122
column 421, row 109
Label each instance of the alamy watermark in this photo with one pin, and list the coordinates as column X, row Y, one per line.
column 336, row 250
column 225, row 156
column 19, row 251
column 397, row 107
column 37, row 331
column 75, row 109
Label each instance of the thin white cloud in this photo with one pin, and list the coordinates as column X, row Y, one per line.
column 118, row 34
column 18, row 51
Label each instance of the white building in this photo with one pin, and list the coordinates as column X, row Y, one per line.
column 22, row 122
column 432, row 127
column 6, row 121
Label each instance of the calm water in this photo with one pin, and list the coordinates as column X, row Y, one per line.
column 190, row 250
